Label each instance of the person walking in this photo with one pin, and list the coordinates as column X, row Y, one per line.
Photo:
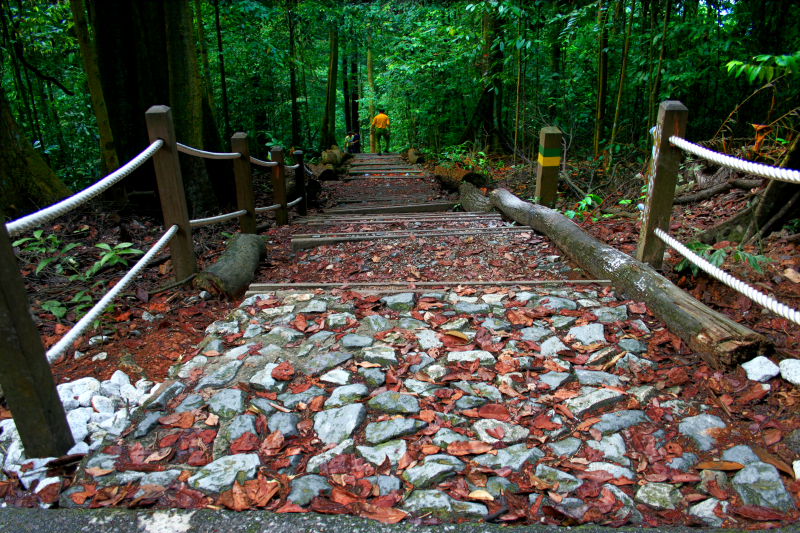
column 380, row 126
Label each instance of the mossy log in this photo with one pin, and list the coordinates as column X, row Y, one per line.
column 720, row 340
column 333, row 156
column 414, row 156
column 472, row 198
column 234, row 270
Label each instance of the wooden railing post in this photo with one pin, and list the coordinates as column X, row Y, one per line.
column 170, row 190
column 279, row 186
column 663, row 175
column 28, row 384
column 300, row 182
column 549, row 165
column 244, row 183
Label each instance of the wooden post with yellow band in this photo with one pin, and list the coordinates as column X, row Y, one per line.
column 549, row 165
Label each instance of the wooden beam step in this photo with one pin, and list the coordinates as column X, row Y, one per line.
column 407, row 208
column 302, row 242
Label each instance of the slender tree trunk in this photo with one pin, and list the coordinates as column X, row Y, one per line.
column 371, row 81
column 354, row 85
column 602, row 75
column 622, row 71
column 16, row 68
column 108, row 151
column 292, row 23
column 329, row 118
column 226, row 117
column 202, row 48
column 348, row 117
column 654, row 93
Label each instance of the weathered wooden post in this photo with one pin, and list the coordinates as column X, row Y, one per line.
column 170, row 190
column 244, row 183
column 24, row 371
column 300, row 182
column 662, row 177
column 279, row 186
column 549, row 165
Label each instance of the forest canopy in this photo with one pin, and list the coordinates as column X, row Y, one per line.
column 77, row 76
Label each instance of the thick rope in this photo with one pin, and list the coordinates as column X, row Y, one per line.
column 273, row 207
column 83, row 324
column 766, row 171
column 206, row 155
column 294, row 202
column 68, row 204
column 263, row 163
column 200, row 222
column 292, row 167
column 760, row 298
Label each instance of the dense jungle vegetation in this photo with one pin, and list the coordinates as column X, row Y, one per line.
column 458, row 79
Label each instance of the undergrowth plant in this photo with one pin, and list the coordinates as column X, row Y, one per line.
column 718, row 256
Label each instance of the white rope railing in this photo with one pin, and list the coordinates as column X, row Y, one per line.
column 273, row 207
column 200, row 222
column 259, row 162
column 83, row 324
column 206, row 155
column 760, row 298
column 294, row 202
column 68, row 204
column 293, row 167
column 759, row 169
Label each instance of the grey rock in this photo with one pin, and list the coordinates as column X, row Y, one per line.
column 240, row 425
column 659, row 496
column 286, row 423
column 315, row 306
column 219, row 475
column 394, row 403
column 394, row 450
column 382, row 355
column 566, row 482
column 227, row 403
column 147, row 424
column 306, row 488
column 612, row 447
column 339, row 320
column 320, row 337
column 411, row 323
column 291, row 401
column 790, row 371
column 760, row 484
column 191, row 402
column 428, row 339
column 471, row 309
column 565, row 447
column 535, row 333
column 470, row 402
column 555, row 379
column 425, row 361
column 315, row 463
column 436, row 372
column 632, row 346
column 282, row 336
column 337, row 376
column 513, row 432
column 562, row 322
column 446, row 436
column 199, row 361
column 574, row 508
column 346, row 394
column 554, row 303
column 619, row 420
column 705, row 511
column 592, row 400
column 588, row 334
column 435, row 469
column 399, row 302
column 263, row 380
column 221, row 376
column 611, row 314
column 761, row 369
column 377, row 432
column 372, row 376
column 741, row 454
column 615, row 470
column 423, row 388
column 485, row 358
column 386, row 484
column 439, row 505
column 262, row 405
column 323, row 362
column 496, row 325
column 594, row 377
column 166, row 394
column 552, row 346
column 497, row 486
column 643, row 393
column 628, row 512
column 707, row 476
column 513, row 457
column 684, row 462
column 696, row 427
column 335, row 425
column 351, row 340
column 376, row 323
column 480, row 389
column 632, row 363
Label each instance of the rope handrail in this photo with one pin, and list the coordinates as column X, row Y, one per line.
column 68, row 204
column 758, row 169
column 200, row 222
column 83, row 324
column 757, row 296
column 292, row 167
column 273, row 207
column 259, row 162
column 294, row 202
column 205, row 154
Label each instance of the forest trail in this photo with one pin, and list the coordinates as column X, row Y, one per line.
column 436, row 367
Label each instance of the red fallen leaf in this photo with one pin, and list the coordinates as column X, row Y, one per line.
column 305, row 425
column 207, row 435
column 544, row 422
column 235, row 498
column 300, row 323
column 716, row 491
column 677, row 376
column 564, row 410
column 429, row 449
column 599, row 476
column 183, row 420
column 718, row 465
column 248, row 442
column 96, row 471
column 469, row 447
column 772, row 436
column 283, row 372
column 272, row 444
column 290, row 507
column 519, row 318
column 534, row 511
column 343, row 497
column 88, row 492
column 684, row 477
column 753, row 394
column 494, row 410
column 637, row 308
column 137, row 453
column 260, row 491
column 326, row 506
column 755, row 512
column 198, row 458
column 427, row 415
column 384, row 514
column 297, row 388
column 497, row 432
column 317, row 403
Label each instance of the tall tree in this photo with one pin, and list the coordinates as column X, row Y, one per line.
column 602, row 74
column 329, row 118
column 293, row 90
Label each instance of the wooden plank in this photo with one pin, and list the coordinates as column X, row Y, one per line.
column 242, row 171
column 416, row 231
column 300, row 182
column 279, row 186
column 28, row 384
column 409, row 208
column 305, row 242
column 548, row 165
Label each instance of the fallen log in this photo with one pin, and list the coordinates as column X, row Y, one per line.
column 414, row 156
column 705, row 194
column 720, row 340
column 472, row 198
column 235, row 268
column 334, row 156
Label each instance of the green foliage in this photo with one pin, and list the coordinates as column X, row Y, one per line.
column 765, row 67
column 584, row 209
column 718, row 256
column 47, row 250
column 112, row 256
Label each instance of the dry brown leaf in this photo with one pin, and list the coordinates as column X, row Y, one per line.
column 778, row 463
column 481, row 495
column 96, row 471
column 163, row 453
column 792, row 275
column 469, row 447
column 212, row 420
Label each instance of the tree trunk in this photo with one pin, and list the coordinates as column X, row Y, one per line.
column 485, row 126
column 234, row 270
column 622, row 71
column 602, row 75
column 371, row 81
column 354, row 93
column 717, row 338
column 656, row 88
column 329, row 118
column 226, row 116
column 202, row 48
column 28, row 183
column 348, row 117
column 472, row 199
column 292, row 22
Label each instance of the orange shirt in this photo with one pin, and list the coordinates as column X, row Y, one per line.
column 381, row 121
